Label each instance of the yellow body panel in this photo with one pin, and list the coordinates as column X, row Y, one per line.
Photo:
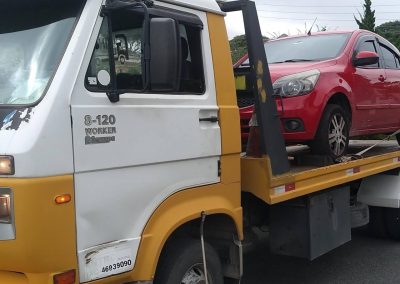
column 257, row 177
column 180, row 209
column 45, row 241
column 225, row 85
column 13, row 278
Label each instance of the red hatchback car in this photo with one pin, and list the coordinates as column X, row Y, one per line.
column 330, row 86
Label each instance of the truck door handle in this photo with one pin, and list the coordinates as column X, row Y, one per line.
column 212, row 119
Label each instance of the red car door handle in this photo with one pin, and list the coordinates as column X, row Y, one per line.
column 381, row 78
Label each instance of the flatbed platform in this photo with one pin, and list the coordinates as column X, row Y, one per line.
column 305, row 179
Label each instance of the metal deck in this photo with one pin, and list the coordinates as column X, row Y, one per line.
column 257, row 177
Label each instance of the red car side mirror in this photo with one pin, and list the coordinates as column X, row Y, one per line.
column 364, row 58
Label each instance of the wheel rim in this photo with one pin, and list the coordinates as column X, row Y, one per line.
column 337, row 134
column 195, row 275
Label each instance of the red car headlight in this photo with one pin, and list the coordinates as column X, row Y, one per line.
column 297, row 84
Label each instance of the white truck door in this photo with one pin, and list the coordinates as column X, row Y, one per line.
column 131, row 155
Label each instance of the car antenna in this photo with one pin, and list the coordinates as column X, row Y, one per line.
column 309, row 32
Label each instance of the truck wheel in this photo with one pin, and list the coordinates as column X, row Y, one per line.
column 332, row 137
column 122, row 59
column 182, row 263
column 392, row 222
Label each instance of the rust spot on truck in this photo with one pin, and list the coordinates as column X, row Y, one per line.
column 12, row 119
column 103, row 247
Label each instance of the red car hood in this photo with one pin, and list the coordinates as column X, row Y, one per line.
column 279, row 70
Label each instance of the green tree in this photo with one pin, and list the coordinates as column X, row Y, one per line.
column 390, row 31
column 366, row 21
column 239, row 47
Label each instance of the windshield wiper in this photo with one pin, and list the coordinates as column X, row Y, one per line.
column 293, row 60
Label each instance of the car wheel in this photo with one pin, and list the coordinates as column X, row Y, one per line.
column 398, row 138
column 182, row 263
column 122, row 59
column 332, row 137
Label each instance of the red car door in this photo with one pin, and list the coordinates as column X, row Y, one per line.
column 392, row 84
column 368, row 90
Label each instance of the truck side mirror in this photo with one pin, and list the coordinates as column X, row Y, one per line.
column 164, row 54
column 364, row 58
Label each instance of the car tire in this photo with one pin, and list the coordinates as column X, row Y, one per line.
column 332, row 137
column 122, row 59
column 398, row 138
column 182, row 262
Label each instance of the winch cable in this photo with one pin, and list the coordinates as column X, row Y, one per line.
column 360, row 154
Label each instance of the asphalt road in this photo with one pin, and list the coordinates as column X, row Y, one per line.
column 363, row 260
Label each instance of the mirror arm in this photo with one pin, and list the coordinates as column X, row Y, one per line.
column 113, row 96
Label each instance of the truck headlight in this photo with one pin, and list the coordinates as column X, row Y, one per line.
column 297, row 84
column 5, row 208
column 7, row 165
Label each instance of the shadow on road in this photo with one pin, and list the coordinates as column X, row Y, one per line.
column 363, row 260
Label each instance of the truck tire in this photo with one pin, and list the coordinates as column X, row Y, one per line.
column 182, row 263
column 392, row 222
column 332, row 137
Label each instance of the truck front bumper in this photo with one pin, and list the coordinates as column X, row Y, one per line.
column 45, row 236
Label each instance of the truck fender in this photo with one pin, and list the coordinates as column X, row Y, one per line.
column 178, row 210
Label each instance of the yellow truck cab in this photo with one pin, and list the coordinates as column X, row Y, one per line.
column 120, row 152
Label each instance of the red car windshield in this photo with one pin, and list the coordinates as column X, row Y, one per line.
column 307, row 48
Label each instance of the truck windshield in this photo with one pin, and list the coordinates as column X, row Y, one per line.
column 307, row 48
column 33, row 38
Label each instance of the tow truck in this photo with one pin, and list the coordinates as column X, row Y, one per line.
column 133, row 172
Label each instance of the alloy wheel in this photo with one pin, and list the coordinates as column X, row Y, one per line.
column 194, row 275
column 337, row 134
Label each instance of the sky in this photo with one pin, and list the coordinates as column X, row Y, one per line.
column 294, row 17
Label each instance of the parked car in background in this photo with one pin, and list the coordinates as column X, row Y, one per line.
column 329, row 86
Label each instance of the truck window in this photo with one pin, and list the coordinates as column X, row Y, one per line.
column 127, row 53
column 192, row 73
column 128, row 63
